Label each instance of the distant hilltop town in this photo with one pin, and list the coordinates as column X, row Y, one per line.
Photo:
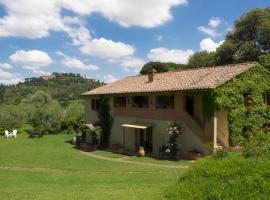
column 67, row 78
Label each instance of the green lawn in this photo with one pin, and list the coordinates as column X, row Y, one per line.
column 73, row 175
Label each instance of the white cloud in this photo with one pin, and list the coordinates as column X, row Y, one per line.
column 34, row 58
column 214, row 22
column 80, row 35
column 7, row 78
column 109, row 78
column 76, row 63
column 36, row 19
column 152, row 13
column 169, row 55
column 130, row 63
column 209, row 31
column 209, row 45
column 30, row 19
column 104, row 48
column 5, row 66
column 72, row 62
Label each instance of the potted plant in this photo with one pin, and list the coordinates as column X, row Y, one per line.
column 141, row 152
column 195, row 154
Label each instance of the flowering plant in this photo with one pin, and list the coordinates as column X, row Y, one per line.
column 175, row 130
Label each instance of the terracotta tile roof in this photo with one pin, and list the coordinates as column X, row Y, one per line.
column 183, row 80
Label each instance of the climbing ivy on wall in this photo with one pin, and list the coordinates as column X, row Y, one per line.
column 105, row 121
column 254, row 83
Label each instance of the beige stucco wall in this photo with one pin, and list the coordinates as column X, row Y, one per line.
column 197, row 129
column 160, row 137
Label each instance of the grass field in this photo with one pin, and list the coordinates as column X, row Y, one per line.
column 50, row 168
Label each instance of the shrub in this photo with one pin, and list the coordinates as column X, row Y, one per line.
column 221, row 153
column 73, row 116
column 233, row 177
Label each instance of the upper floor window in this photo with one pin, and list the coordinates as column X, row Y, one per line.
column 140, row 102
column 190, row 105
column 246, row 99
column 165, row 102
column 95, row 104
column 267, row 99
column 120, row 102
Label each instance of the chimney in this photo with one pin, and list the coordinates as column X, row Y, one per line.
column 152, row 75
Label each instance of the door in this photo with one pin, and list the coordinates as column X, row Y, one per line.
column 149, row 140
column 139, row 138
column 144, row 138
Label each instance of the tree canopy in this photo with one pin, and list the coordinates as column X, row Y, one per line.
column 202, row 59
column 248, row 40
column 161, row 67
column 43, row 112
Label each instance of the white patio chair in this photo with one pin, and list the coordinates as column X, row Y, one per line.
column 7, row 135
column 14, row 133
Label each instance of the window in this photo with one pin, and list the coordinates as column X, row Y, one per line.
column 267, row 99
column 120, row 102
column 165, row 102
column 95, row 104
column 190, row 105
column 140, row 102
column 246, row 99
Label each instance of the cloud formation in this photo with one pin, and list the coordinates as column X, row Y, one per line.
column 72, row 62
column 209, row 45
column 162, row 54
column 214, row 22
column 8, row 78
column 35, row 58
column 103, row 48
column 109, row 78
column 32, row 60
column 211, row 29
column 46, row 16
column 5, row 66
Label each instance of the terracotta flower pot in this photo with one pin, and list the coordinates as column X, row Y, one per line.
column 141, row 152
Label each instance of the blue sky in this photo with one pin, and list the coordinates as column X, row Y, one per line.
column 109, row 39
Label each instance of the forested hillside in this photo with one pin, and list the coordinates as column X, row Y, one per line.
column 63, row 87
